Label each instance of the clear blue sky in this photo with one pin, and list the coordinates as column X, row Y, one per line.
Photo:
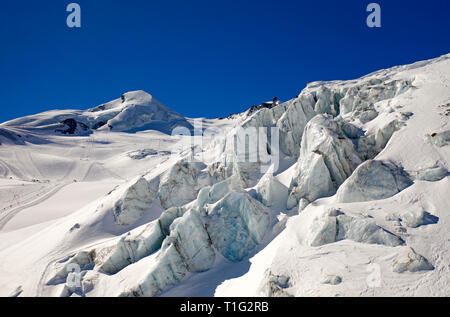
column 202, row 58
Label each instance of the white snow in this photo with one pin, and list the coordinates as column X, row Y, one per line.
column 364, row 163
column 61, row 203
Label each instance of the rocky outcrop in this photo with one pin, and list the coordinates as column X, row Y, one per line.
column 70, row 127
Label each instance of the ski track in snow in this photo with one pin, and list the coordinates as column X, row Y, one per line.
column 42, row 196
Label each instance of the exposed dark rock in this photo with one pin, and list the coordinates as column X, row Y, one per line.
column 71, row 126
column 98, row 125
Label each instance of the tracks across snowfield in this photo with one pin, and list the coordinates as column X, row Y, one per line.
column 37, row 198
column 21, row 199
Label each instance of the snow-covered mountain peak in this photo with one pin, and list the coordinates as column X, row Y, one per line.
column 134, row 111
column 138, row 97
column 356, row 203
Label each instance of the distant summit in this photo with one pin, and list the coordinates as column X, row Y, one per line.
column 134, row 111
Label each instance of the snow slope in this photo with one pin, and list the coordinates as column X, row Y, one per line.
column 134, row 111
column 357, row 204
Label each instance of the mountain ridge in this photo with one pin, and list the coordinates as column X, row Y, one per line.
column 356, row 204
column 134, row 111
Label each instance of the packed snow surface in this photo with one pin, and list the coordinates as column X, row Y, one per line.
column 120, row 199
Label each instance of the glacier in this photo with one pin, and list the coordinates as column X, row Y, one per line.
column 237, row 224
column 361, row 182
